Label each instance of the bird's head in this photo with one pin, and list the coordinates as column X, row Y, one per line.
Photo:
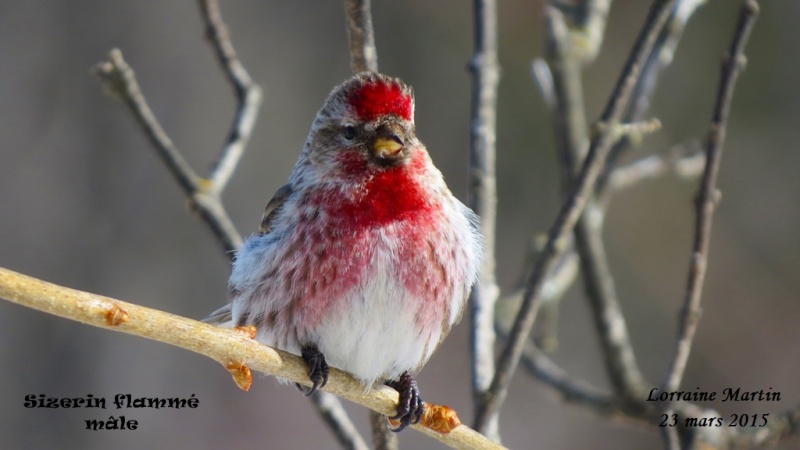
column 365, row 126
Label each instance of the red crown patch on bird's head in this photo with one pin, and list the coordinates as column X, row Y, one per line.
column 380, row 96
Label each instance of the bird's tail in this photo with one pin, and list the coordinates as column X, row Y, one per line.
column 222, row 317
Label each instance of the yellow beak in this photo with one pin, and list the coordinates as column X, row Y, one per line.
column 386, row 148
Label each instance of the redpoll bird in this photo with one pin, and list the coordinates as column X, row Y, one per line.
column 364, row 260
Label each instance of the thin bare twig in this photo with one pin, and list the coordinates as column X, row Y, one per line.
column 659, row 60
column 618, row 356
column 588, row 19
column 705, row 203
column 587, row 23
column 248, row 96
column 686, row 161
column 708, row 196
column 121, row 82
column 671, row 438
column 234, row 349
column 361, row 37
column 571, row 210
column 569, row 121
column 483, row 198
column 572, row 135
column 561, row 277
column 570, row 49
column 559, row 81
column 571, row 390
column 333, row 413
column 562, row 88
column 382, row 437
column 565, row 100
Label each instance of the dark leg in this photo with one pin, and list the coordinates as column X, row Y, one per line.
column 411, row 406
column 317, row 368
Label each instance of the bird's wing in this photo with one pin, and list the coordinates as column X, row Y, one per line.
column 223, row 316
column 274, row 205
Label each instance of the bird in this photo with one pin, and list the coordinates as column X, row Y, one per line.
column 364, row 260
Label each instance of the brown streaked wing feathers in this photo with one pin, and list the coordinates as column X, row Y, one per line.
column 223, row 316
column 271, row 211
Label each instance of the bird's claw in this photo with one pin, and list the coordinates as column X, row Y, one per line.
column 318, row 369
column 410, row 406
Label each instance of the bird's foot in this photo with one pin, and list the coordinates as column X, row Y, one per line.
column 318, row 369
column 411, row 407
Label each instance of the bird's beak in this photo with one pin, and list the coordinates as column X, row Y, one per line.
column 387, row 147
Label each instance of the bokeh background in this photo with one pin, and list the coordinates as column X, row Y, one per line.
column 86, row 203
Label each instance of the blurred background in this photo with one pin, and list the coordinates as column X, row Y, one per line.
column 87, row 204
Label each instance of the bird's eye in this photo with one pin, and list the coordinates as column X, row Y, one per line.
column 349, row 132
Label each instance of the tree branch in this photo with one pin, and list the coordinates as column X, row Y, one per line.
column 568, row 109
column 361, row 37
column 121, row 82
column 706, row 201
column 483, row 199
column 659, row 60
column 618, row 356
column 248, row 96
column 671, row 438
column 382, row 437
column 234, row 349
column 570, row 48
column 708, row 197
column 333, row 413
column 685, row 161
column 571, row 390
column 588, row 19
column 572, row 209
column 572, row 135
